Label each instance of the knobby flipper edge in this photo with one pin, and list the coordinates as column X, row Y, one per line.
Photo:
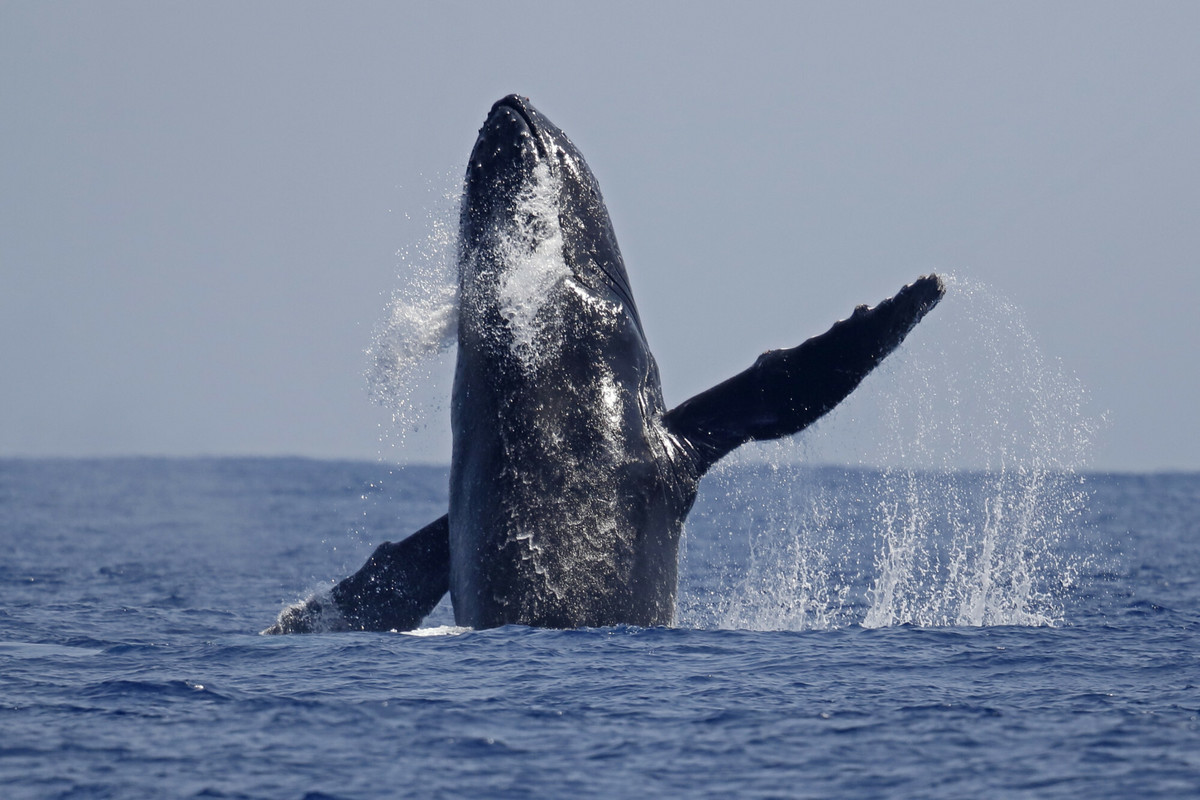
column 785, row 391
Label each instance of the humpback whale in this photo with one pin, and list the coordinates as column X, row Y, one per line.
column 570, row 479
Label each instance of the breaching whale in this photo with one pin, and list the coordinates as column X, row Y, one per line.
column 569, row 478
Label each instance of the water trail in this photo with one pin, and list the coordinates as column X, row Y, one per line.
column 411, row 343
column 964, row 518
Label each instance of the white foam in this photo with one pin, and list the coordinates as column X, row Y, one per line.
column 530, row 245
column 438, row 630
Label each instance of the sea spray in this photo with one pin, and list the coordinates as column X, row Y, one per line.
column 407, row 361
column 976, row 441
column 969, row 531
column 774, row 550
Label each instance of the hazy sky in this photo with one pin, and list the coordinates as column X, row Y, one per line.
column 201, row 204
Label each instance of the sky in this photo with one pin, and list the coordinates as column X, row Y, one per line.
column 205, row 206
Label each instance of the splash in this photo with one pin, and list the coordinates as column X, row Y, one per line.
column 438, row 630
column 410, row 346
column 531, row 248
column 420, row 324
column 968, row 517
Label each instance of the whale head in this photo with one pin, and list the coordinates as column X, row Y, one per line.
column 533, row 220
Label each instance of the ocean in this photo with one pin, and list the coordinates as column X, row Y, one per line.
column 841, row 633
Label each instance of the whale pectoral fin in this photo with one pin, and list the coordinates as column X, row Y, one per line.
column 400, row 583
column 397, row 588
column 787, row 390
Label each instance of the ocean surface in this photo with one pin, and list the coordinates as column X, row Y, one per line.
column 841, row 633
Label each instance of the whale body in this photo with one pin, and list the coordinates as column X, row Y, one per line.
column 570, row 480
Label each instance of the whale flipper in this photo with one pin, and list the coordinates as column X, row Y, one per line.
column 787, row 390
column 397, row 588
column 400, row 583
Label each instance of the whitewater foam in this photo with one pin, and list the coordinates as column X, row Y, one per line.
column 438, row 630
column 531, row 248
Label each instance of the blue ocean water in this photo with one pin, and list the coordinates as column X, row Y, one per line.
column 841, row 633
